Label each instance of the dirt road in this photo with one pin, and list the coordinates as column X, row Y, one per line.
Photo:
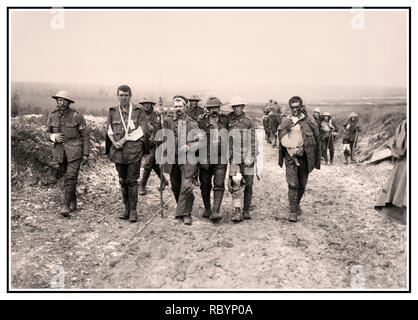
column 338, row 233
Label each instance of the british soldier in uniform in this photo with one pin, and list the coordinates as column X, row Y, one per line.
column 67, row 129
column 129, row 143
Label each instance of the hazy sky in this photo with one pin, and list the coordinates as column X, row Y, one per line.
column 211, row 51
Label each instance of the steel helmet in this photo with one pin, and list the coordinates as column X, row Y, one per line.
column 317, row 110
column 63, row 94
column 326, row 114
column 237, row 101
column 194, row 98
column 213, row 102
column 147, row 100
column 353, row 114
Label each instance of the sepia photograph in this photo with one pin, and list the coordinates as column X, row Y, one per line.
column 208, row 149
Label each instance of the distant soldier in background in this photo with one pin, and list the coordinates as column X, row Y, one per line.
column 182, row 174
column 128, row 134
column 300, row 149
column 193, row 110
column 317, row 116
column 328, row 130
column 242, row 157
column 274, row 119
column 153, row 122
column 212, row 123
column 67, row 129
column 266, row 125
column 350, row 137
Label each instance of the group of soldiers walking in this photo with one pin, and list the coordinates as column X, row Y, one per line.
column 133, row 131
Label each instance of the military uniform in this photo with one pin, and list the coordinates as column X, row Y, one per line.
column 152, row 121
column 299, row 166
column 128, row 159
column 350, row 135
column 195, row 112
column 327, row 130
column 274, row 119
column 181, row 175
column 266, row 125
column 68, row 154
column 243, row 123
column 213, row 169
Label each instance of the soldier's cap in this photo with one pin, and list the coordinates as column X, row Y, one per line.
column 194, row 98
column 64, row 95
column 317, row 110
column 353, row 114
column 237, row 101
column 295, row 99
column 326, row 113
column 213, row 102
column 147, row 100
column 179, row 101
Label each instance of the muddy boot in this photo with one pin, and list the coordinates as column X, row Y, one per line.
column 248, row 194
column 125, row 196
column 217, row 200
column 300, row 195
column 73, row 203
column 206, row 202
column 133, row 216
column 65, row 212
column 215, row 216
column 236, row 215
column 143, row 184
column 133, row 200
column 293, row 204
column 187, row 220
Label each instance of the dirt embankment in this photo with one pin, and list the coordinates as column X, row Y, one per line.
column 338, row 234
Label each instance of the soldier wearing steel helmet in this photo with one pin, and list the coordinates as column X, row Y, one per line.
column 242, row 154
column 328, row 131
column 317, row 116
column 215, row 125
column 152, row 120
column 350, row 137
column 67, row 129
column 300, row 149
column 193, row 109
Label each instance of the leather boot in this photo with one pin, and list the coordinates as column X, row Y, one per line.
column 217, row 200
column 300, row 195
column 133, row 200
column 73, row 203
column 65, row 212
column 206, row 202
column 293, row 204
column 125, row 196
column 236, row 215
column 143, row 184
column 187, row 220
column 248, row 194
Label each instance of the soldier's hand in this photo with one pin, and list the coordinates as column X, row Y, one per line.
column 248, row 162
column 59, row 137
column 85, row 159
column 118, row 145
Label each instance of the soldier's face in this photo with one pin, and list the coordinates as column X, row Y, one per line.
column 353, row 118
column 238, row 110
column 296, row 109
column 326, row 118
column 193, row 103
column 316, row 115
column 148, row 107
column 214, row 110
column 62, row 104
column 124, row 98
